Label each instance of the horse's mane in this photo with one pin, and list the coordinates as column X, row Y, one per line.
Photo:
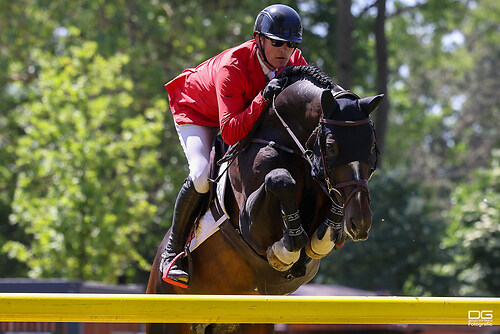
column 311, row 72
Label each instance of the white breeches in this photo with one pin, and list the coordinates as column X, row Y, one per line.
column 197, row 142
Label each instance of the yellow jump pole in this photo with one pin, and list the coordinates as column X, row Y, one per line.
column 142, row 308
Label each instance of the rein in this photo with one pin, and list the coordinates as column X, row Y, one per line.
column 294, row 137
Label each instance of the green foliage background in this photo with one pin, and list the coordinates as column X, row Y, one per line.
column 90, row 162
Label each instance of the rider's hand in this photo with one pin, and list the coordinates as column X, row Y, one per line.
column 274, row 87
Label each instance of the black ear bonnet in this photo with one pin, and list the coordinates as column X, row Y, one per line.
column 355, row 143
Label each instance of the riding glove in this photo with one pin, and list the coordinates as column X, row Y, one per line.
column 274, row 87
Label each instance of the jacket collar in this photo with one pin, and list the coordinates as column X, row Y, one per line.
column 255, row 67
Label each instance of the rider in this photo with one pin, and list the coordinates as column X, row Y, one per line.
column 229, row 92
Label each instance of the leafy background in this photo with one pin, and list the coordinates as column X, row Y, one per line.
column 90, row 163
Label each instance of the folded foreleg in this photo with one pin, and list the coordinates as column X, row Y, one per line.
column 285, row 252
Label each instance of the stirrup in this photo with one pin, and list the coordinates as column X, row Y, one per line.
column 165, row 277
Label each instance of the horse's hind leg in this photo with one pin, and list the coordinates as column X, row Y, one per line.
column 240, row 329
column 171, row 329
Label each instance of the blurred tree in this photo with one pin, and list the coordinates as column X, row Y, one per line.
column 13, row 76
column 441, row 127
column 344, row 43
column 152, row 42
column 59, row 156
column 83, row 164
column 382, row 80
column 473, row 237
column 444, row 107
column 471, row 247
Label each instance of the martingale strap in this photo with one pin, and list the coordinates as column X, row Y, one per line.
column 295, row 139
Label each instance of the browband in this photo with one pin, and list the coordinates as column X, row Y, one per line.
column 345, row 123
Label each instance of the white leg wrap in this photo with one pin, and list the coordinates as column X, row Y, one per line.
column 279, row 258
column 319, row 248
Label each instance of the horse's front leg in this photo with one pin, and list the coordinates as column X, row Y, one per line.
column 279, row 185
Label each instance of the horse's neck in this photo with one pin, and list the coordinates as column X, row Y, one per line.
column 271, row 128
column 300, row 118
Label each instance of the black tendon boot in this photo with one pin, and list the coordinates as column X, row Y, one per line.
column 174, row 265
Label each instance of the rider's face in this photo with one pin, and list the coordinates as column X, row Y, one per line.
column 278, row 57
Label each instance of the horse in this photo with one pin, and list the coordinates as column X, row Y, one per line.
column 297, row 188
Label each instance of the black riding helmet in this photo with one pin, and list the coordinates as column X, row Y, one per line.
column 279, row 22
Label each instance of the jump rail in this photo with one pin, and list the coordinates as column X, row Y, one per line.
column 140, row 308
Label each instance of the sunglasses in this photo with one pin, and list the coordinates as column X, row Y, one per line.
column 278, row 44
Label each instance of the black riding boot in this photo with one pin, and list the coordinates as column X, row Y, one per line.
column 186, row 209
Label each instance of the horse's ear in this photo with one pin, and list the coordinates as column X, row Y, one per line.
column 368, row 104
column 328, row 103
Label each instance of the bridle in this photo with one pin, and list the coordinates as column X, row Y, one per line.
column 330, row 187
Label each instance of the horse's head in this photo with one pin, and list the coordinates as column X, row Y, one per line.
column 333, row 130
column 344, row 155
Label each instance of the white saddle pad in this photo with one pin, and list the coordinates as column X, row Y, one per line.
column 207, row 224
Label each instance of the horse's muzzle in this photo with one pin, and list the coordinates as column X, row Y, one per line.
column 358, row 218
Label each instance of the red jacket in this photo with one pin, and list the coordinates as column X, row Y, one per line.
column 223, row 91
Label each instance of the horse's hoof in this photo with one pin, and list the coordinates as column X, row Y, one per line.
column 279, row 258
column 312, row 254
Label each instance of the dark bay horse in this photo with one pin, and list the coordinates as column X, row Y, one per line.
column 298, row 188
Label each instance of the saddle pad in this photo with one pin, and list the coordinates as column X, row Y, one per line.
column 216, row 214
